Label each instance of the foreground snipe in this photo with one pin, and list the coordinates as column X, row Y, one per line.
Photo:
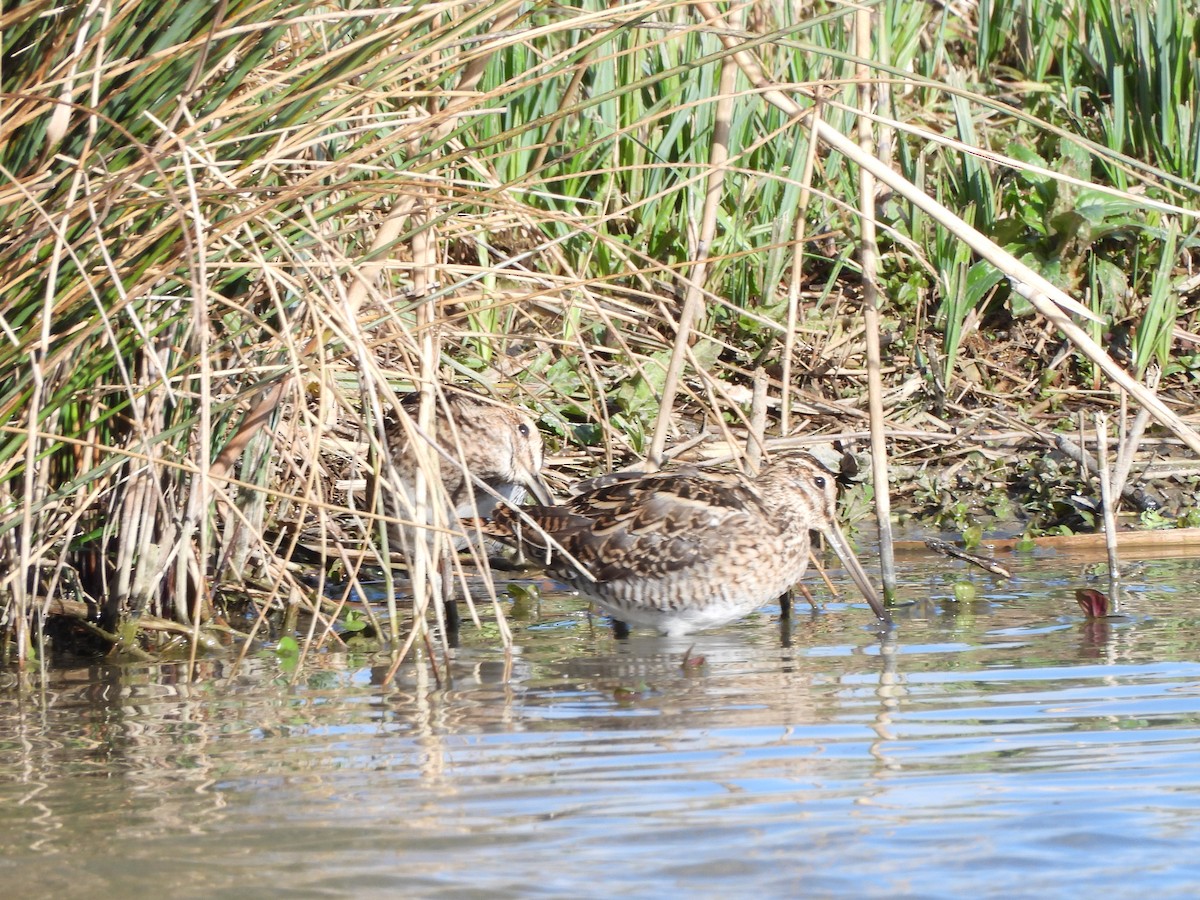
column 685, row 550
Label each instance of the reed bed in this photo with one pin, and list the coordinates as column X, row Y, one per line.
column 234, row 234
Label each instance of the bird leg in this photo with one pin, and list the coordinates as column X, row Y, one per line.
column 785, row 600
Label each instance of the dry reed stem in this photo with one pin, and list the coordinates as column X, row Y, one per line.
column 996, row 158
column 868, row 258
column 796, row 281
column 1107, row 505
column 693, row 303
column 756, row 433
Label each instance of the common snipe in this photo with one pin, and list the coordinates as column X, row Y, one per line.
column 498, row 445
column 687, row 549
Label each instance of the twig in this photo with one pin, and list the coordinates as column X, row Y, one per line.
column 986, row 563
column 1137, row 496
column 1129, row 446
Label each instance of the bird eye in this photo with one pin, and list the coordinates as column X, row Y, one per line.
column 523, row 430
column 819, row 481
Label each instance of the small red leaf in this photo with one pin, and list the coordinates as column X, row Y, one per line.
column 1093, row 603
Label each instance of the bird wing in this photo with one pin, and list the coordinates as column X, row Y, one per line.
column 634, row 525
column 651, row 525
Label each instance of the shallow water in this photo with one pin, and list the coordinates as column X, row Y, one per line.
column 1002, row 746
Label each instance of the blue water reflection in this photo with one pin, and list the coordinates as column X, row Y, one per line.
column 1004, row 747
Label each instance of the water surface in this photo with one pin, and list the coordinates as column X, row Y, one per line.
column 1001, row 746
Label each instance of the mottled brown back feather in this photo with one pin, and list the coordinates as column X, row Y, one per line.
column 637, row 525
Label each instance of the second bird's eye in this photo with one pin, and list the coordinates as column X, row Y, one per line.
column 819, row 481
column 523, row 430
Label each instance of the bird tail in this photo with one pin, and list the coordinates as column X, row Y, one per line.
column 534, row 531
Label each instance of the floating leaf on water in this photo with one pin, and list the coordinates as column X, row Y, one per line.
column 964, row 591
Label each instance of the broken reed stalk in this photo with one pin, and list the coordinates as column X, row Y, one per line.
column 756, row 439
column 1106, row 507
column 1128, row 446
